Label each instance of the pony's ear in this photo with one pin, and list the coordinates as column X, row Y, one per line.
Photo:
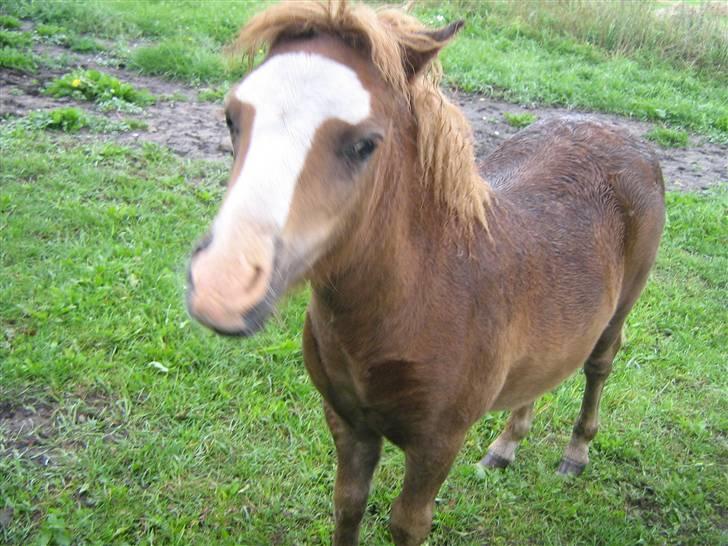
column 415, row 59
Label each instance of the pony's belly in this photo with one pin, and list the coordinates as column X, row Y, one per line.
column 532, row 375
column 524, row 386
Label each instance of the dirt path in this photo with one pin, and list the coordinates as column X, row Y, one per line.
column 196, row 129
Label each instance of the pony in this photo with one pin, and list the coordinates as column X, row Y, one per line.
column 440, row 290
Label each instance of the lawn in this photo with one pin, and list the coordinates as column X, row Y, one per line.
column 149, row 429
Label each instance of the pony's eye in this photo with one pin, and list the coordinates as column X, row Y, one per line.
column 229, row 122
column 362, row 149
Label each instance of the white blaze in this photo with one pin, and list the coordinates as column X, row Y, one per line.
column 293, row 95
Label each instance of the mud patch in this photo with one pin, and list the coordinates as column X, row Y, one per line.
column 196, row 130
column 47, row 433
column 25, row 430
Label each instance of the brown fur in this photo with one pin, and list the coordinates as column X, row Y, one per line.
column 417, row 326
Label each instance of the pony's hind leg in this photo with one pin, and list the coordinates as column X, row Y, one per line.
column 597, row 368
column 503, row 450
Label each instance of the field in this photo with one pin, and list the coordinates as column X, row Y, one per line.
column 123, row 422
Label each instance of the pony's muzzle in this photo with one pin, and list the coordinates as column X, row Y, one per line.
column 228, row 283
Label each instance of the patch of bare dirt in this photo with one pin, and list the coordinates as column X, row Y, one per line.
column 46, row 432
column 196, row 129
column 25, row 429
column 189, row 127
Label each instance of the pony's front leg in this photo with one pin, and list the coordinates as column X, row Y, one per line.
column 357, row 454
column 426, row 467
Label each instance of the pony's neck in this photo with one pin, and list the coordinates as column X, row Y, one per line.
column 385, row 257
column 416, row 218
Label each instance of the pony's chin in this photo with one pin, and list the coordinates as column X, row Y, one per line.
column 245, row 332
column 251, row 321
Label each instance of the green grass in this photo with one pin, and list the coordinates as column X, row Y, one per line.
column 189, row 35
column 668, row 138
column 680, row 34
column 161, row 432
column 519, row 120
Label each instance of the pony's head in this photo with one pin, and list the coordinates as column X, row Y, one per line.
column 310, row 128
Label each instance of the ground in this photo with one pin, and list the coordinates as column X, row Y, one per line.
column 123, row 422
column 194, row 128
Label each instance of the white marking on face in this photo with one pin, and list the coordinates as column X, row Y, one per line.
column 293, row 95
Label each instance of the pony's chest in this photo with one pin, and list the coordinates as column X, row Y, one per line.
column 389, row 396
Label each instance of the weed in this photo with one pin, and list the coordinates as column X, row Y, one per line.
column 668, row 138
column 93, row 85
column 17, row 60
column 53, row 532
column 519, row 120
column 84, row 44
column 173, row 97
column 48, row 31
column 115, row 104
column 9, row 22
column 10, row 38
column 67, row 119
column 214, row 94
column 72, row 120
column 721, row 123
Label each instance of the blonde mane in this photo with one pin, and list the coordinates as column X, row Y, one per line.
column 444, row 136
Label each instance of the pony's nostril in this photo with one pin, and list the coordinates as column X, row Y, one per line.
column 202, row 244
column 257, row 272
column 190, row 282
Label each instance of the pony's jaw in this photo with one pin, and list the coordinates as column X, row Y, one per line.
column 258, row 243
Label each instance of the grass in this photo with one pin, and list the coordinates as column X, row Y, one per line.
column 668, row 138
column 188, row 35
column 175, row 59
column 690, row 36
column 519, row 120
column 159, row 432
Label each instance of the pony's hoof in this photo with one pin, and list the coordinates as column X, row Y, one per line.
column 492, row 460
column 570, row 467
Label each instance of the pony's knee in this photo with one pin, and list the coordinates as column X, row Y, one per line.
column 409, row 527
column 586, row 431
column 599, row 368
column 520, row 428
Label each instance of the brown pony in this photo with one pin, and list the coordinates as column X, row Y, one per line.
column 439, row 292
